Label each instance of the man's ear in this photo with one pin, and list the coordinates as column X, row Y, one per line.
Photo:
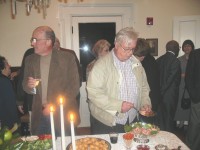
column 116, row 45
column 49, row 42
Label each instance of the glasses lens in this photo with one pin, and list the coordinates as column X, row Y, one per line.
column 33, row 40
column 126, row 49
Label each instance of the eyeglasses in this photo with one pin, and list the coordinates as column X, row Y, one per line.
column 127, row 49
column 34, row 40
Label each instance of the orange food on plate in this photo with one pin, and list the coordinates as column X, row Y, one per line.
column 128, row 136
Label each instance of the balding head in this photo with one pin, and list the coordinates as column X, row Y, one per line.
column 49, row 33
column 43, row 39
column 173, row 46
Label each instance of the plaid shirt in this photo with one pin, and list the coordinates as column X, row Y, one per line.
column 128, row 87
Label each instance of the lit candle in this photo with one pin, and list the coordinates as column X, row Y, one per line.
column 72, row 131
column 52, row 128
column 62, row 124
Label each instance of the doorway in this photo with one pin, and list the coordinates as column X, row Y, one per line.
column 87, row 31
column 89, row 34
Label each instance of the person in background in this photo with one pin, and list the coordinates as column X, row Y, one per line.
column 142, row 53
column 182, row 115
column 117, row 86
column 100, row 49
column 14, row 77
column 24, row 100
column 8, row 107
column 170, row 75
column 192, row 81
column 57, row 75
column 57, row 46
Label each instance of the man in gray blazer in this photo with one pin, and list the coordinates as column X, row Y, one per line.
column 58, row 73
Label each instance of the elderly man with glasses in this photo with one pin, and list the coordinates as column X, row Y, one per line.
column 117, row 86
column 57, row 75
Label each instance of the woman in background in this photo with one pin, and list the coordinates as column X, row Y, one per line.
column 182, row 115
column 100, row 49
column 8, row 107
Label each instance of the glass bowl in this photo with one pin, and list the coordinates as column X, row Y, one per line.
column 128, row 140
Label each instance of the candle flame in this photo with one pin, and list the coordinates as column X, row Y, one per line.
column 71, row 117
column 61, row 100
column 51, row 109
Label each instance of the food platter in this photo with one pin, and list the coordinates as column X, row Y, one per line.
column 91, row 143
column 41, row 142
column 142, row 129
column 30, row 138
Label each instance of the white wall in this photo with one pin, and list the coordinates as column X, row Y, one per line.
column 16, row 33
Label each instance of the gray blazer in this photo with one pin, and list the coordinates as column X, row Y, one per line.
column 63, row 81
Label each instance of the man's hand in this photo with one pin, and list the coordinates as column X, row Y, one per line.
column 46, row 109
column 21, row 109
column 32, row 83
column 126, row 106
column 13, row 75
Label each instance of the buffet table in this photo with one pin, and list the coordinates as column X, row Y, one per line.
column 163, row 137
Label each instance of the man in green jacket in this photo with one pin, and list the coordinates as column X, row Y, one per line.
column 117, row 86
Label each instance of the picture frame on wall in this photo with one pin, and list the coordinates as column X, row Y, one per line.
column 153, row 43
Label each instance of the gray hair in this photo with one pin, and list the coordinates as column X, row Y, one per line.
column 126, row 35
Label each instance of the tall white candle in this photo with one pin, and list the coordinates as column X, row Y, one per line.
column 62, row 124
column 52, row 128
column 14, row 7
column 72, row 131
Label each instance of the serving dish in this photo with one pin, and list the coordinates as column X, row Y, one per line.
column 142, row 129
column 30, row 138
column 91, row 143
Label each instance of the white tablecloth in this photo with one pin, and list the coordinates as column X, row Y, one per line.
column 163, row 137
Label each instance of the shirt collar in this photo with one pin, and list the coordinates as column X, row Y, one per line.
column 171, row 52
